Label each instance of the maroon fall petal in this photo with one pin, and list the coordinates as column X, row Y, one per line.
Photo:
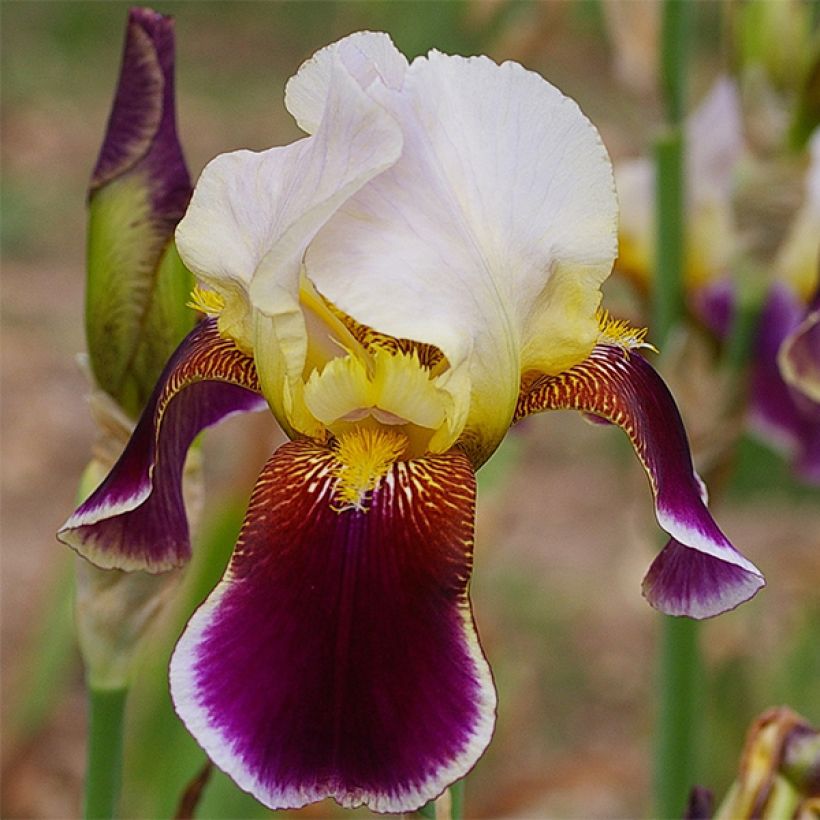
column 338, row 656
column 135, row 520
column 622, row 387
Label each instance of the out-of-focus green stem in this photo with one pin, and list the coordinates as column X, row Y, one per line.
column 106, row 711
column 669, row 195
column 673, row 56
column 450, row 806
column 457, row 799
column 678, row 713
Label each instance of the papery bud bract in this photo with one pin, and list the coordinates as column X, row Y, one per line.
column 779, row 771
column 137, row 286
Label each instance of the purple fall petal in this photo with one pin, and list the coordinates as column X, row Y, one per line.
column 774, row 414
column 714, row 305
column 685, row 581
column 781, row 415
column 622, row 386
column 136, row 520
column 338, row 656
column 142, row 124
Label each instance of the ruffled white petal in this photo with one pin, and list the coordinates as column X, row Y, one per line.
column 368, row 56
column 488, row 238
column 253, row 214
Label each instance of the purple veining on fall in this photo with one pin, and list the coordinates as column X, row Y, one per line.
column 338, row 657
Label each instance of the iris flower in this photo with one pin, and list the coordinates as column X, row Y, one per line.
column 783, row 409
column 400, row 286
column 715, row 149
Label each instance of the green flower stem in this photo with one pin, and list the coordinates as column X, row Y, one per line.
column 668, row 290
column 106, row 710
column 457, row 799
column 678, row 713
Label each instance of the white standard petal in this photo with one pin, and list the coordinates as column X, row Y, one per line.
column 253, row 214
column 368, row 56
column 488, row 238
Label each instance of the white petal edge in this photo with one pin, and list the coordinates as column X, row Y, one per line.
column 197, row 721
column 369, row 56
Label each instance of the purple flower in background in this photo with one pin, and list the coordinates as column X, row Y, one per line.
column 401, row 285
column 784, row 409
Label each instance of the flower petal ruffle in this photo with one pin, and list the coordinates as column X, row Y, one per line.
column 135, row 520
column 492, row 232
column 338, row 656
column 700, row 573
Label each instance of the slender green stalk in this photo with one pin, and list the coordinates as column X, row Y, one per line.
column 106, row 710
column 669, row 195
column 678, row 713
column 678, row 716
column 457, row 799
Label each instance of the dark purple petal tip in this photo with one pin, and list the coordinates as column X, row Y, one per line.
column 685, row 581
column 141, row 128
column 710, row 575
column 338, row 656
column 135, row 520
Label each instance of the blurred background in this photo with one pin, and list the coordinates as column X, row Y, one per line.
column 565, row 528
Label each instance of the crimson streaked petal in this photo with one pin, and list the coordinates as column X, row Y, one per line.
column 623, row 388
column 685, row 581
column 338, row 656
column 135, row 520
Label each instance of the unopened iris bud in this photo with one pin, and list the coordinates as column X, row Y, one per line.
column 137, row 286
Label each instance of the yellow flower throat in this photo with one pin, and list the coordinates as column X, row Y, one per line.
column 363, row 457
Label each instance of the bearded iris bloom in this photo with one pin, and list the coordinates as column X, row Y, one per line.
column 417, row 274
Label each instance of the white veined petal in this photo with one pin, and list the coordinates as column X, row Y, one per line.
column 368, row 56
column 253, row 214
column 488, row 238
